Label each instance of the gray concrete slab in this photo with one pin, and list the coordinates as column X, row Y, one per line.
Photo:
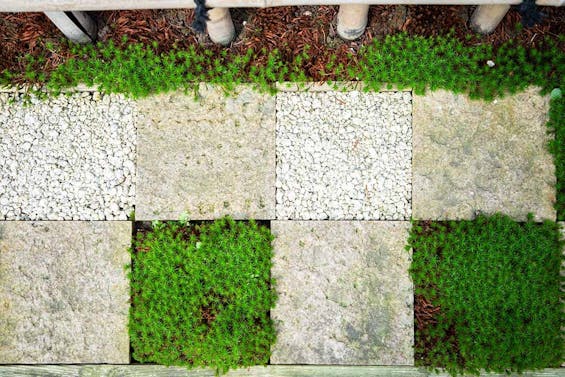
column 478, row 156
column 345, row 295
column 211, row 157
column 64, row 292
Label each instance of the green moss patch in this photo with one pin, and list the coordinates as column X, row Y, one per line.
column 201, row 295
column 491, row 293
column 441, row 62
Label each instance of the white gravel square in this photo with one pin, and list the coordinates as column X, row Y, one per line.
column 67, row 157
column 343, row 155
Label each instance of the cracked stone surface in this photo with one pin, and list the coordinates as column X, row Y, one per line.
column 345, row 295
column 208, row 158
column 476, row 156
column 64, row 292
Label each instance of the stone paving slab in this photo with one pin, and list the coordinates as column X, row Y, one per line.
column 208, row 158
column 476, row 156
column 345, row 295
column 64, row 292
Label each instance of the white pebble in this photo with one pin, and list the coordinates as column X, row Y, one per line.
column 343, row 155
column 56, row 153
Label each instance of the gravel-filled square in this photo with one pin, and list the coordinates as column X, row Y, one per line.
column 67, row 157
column 343, row 155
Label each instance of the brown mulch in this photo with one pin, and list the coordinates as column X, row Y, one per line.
column 288, row 29
column 425, row 315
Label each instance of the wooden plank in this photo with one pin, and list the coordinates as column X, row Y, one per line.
column 80, row 30
column 270, row 371
column 91, row 5
column 487, row 17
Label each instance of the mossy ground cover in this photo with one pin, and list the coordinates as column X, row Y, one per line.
column 201, row 294
column 441, row 62
column 492, row 290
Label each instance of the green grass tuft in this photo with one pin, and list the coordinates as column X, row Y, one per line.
column 201, row 295
column 497, row 283
column 443, row 62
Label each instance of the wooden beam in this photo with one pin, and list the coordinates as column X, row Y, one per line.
column 88, row 5
column 352, row 20
column 270, row 371
column 77, row 26
column 486, row 18
column 220, row 26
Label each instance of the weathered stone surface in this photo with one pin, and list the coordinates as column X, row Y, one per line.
column 475, row 156
column 209, row 158
column 64, row 292
column 345, row 295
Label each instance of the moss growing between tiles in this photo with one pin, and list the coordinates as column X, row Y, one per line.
column 492, row 288
column 201, row 295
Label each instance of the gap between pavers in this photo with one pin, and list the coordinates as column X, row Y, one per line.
column 471, row 155
column 64, row 292
column 208, row 158
column 345, row 295
column 339, row 86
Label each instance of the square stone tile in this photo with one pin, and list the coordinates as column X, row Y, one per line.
column 345, row 295
column 209, row 158
column 64, row 292
column 344, row 156
column 476, row 156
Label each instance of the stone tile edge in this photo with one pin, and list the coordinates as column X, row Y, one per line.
column 25, row 88
column 286, row 86
column 322, row 86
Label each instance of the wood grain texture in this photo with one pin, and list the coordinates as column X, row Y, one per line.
column 270, row 371
column 91, row 5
